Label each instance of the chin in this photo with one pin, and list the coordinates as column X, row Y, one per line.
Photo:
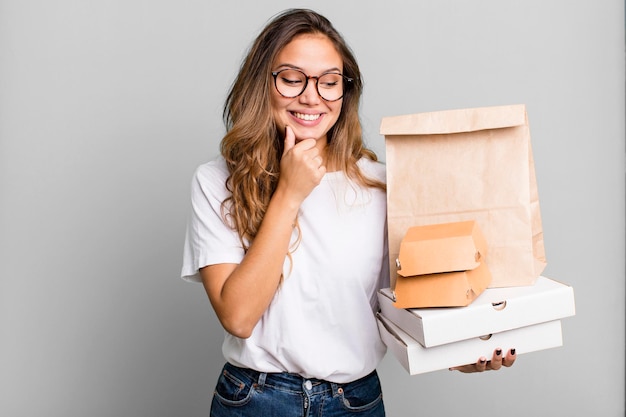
column 307, row 133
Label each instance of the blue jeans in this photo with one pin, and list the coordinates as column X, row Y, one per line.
column 244, row 392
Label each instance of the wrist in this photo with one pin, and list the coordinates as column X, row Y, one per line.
column 286, row 202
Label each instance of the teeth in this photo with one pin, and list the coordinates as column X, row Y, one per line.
column 308, row 117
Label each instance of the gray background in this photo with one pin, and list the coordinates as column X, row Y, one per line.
column 107, row 107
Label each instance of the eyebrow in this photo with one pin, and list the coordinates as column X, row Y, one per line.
column 283, row 66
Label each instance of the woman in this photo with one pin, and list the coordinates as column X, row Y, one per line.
column 288, row 232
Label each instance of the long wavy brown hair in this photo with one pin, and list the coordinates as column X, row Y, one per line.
column 252, row 146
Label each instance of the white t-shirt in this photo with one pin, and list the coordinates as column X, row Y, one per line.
column 321, row 322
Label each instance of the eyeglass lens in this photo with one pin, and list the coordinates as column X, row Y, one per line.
column 292, row 83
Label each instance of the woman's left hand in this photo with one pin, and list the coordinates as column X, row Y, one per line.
column 497, row 361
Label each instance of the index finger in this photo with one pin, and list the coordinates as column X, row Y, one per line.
column 290, row 139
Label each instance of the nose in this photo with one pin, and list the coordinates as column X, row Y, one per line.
column 309, row 95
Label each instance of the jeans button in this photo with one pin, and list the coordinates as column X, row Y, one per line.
column 308, row 385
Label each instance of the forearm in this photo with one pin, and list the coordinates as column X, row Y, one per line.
column 241, row 298
column 240, row 294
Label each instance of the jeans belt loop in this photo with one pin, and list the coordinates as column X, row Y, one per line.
column 261, row 380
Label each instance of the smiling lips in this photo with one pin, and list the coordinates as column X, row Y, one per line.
column 307, row 117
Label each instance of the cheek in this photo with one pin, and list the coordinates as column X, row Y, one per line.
column 278, row 113
column 275, row 103
column 336, row 110
column 279, row 104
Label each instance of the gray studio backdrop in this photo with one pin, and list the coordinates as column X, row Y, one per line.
column 107, row 107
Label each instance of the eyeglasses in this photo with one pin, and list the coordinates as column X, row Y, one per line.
column 290, row 83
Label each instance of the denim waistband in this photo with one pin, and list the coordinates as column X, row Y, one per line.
column 293, row 382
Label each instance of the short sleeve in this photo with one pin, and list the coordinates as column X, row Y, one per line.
column 209, row 240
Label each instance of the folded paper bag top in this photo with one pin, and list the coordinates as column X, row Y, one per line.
column 441, row 265
column 455, row 121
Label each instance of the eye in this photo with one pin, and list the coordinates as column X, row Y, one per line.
column 291, row 78
column 330, row 84
column 290, row 81
column 328, row 81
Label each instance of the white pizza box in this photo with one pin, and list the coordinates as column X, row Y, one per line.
column 494, row 311
column 417, row 359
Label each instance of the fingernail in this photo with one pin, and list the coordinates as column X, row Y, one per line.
column 512, row 351
column 483, row 360
column 498, row 352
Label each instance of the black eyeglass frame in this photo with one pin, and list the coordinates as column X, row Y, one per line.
column 306, row 83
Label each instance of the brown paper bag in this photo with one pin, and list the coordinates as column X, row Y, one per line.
column 470, row 164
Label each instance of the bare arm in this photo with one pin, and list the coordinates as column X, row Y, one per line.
column 240, row 293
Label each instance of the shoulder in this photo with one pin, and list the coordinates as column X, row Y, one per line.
column 211, row 171
column 210, row 178
column 373, row 169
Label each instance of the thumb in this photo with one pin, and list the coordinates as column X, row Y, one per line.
column 290, row 139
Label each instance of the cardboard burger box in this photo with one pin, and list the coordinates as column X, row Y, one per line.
column 417, row 359
column 495, row 310
column 441, row 265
